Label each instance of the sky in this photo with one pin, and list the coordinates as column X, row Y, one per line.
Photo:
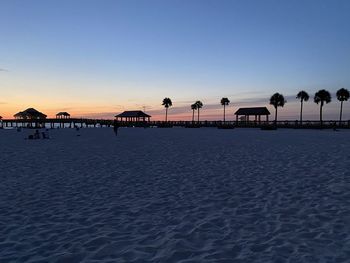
column 97, row 58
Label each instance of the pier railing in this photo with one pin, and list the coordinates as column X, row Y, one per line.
column 243, row 124
column 85, row 122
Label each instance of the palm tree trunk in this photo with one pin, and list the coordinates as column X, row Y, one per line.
column 321, row 106
column 224, row 113
column 166, row 114
column 301, row 112
column 192, row 116
column 341, row 112
column 198, row 117
column 276, row 117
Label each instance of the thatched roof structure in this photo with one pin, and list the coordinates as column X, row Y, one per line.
column 30, row 113
column 63, row 114
column 133, row 114
column 252, row 111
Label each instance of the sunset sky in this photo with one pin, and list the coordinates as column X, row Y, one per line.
column 98, row 58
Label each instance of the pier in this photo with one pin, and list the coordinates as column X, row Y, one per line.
column 93, row 123
column 55, row 123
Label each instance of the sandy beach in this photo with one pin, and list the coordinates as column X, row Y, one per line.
column 175, row 195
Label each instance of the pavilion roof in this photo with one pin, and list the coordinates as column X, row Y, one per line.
column 253, row 111
column 134, row 113
column 63, row 113
column 30, row 113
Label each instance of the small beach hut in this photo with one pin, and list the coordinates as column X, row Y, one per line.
column 253, row 111
column 30, row 114
column 133, row 116
column 62, row 115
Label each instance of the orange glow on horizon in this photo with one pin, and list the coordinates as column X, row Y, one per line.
column 158, row 114
column 181, row 110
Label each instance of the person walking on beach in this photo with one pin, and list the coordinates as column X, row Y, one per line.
column 115, row 129
column 78, row 130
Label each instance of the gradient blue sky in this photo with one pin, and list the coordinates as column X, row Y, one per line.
column 97, row 58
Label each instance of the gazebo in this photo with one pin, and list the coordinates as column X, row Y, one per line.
column 133, row 116
column 62, row 115
column 254, row 111
column 30, row 114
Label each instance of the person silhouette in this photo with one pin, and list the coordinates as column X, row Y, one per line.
column 78, row 130
column 115, row 129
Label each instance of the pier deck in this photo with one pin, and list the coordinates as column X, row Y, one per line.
column 84, row 122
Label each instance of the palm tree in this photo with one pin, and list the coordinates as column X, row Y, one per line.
column 303, row 96
column 225, row 102
column 167, row 103
column 322, row 96
column 193, row 108
column 342, row 95
column 199, row 105
column 277, row 100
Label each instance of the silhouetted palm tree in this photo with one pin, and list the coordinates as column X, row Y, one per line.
column 303, row 96
column 199, row 105
column 342, row 95
column 322, row 96
column 167, row 103
column 193, row 108
column 277, row 100
column 225, row 102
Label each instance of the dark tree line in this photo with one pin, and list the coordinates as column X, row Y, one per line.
column 321, row 97
column 277, row 100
